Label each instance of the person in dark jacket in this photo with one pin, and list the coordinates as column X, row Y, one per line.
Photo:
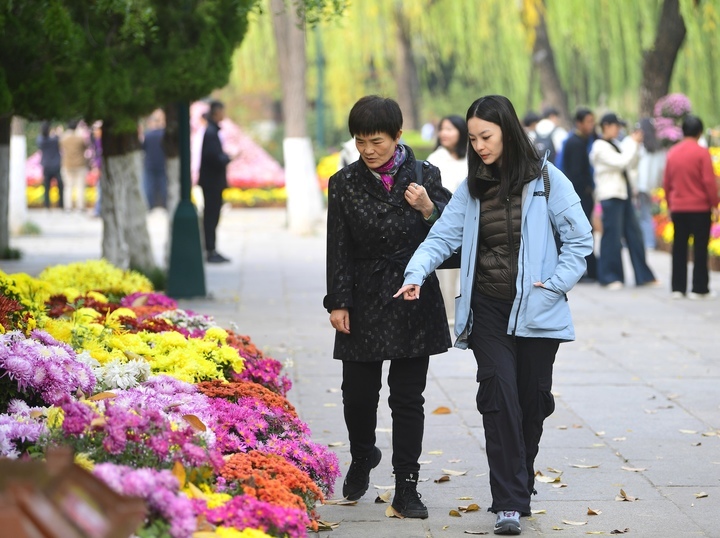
column 379, row 211
column 48, row 144
column 213, row 179
column 512, row 310
column 576, row 166
column 154, row 164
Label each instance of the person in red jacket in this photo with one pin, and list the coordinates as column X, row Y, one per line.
column 692, row 196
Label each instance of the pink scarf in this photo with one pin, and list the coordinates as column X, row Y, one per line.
column 388, row 170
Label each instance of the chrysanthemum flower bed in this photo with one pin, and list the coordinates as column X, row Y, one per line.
column 158, row 402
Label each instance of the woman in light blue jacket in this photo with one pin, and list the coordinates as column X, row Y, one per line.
column 524, row 239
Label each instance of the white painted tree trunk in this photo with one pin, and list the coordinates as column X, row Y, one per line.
column 304, row 204
column 126, row 242
column 17, row 214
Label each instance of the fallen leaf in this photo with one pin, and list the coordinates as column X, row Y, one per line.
column 384, row 487
column 559, row 485
column 673, row 396
column 592, row 512
column 634, row 469
column 333, row 390
column 696, row 444
column 599, row 434
column 455, row 513
column 625, row 497
column 383, row 430
column 579, row 466
column 594, row 532
column 478, row 533
column 481, row 474
column 454, row 461
column 423, row 479
column 700, row 495
column 102, row 396
column 327, row 525
column 556, row 528
column 391, row 512
column 650, row 411
column 425, row 462
column 336, row 444
column 546, row 479
column 562, row 427
column 710, row 434
column 442, row 410
column 688, row 431
column 384, row 497
column 618, row 531
column 553, row 470
column 619, row 438
column 329, row 404
column 578, row 426
column 195, row 422
column 179, row 472
column 539, row 511
column 575, row 523
column 339, row 502
column 435, row 452
column 598, row 445
column 443, row 478
column 469, row 508
column 464, row 498
column 453, row 473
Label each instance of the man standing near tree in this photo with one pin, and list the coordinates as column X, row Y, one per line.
column 213, row 178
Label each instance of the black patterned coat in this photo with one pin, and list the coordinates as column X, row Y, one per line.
column 371, row 235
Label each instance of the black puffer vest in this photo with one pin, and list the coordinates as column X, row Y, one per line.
column 499, row 246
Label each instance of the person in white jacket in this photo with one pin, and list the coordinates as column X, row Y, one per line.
column 612, row 160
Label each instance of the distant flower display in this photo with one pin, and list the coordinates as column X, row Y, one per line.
column 669, row 112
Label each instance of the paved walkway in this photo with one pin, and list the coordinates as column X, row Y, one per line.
column 638, row 394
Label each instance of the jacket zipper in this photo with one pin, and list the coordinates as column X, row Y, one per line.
column 511, row 243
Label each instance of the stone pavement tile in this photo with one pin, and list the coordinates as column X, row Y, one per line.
column 705, row 512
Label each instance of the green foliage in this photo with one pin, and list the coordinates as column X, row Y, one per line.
column 10, row 254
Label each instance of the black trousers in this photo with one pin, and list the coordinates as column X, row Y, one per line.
column 587, row 202
column 515, row 379
column 361, row 393
column 48, row 175
column 697, row 225
column 211, row 214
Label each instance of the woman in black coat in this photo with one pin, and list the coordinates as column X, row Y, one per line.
column 378, row 214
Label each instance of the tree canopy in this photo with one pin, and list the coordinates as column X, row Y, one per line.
column 465, row 48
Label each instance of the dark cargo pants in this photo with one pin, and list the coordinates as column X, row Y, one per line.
column 515, row 379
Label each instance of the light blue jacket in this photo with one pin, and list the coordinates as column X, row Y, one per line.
column 536, row 312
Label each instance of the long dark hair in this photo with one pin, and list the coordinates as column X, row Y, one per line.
column 460, row 124
column 520, row 160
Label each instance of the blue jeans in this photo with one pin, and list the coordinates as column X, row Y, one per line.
column 619, row 222
column 644, row 208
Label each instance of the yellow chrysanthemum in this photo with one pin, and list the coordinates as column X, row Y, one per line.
column 55, row 417
column 84, row 461
column 217, row 334
column 99, row 297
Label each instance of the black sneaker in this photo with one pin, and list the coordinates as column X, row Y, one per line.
column 407, row 501
column 508, row 523
column 357, row 480
column 216, row 257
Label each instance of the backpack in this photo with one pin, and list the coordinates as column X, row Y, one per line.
column 545, row 143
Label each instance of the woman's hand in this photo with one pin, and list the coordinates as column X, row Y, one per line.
column 418, row 198
column 410, row 292
column 340, row 320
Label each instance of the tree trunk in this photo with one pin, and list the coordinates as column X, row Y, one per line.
column 543, row 60
column 17, row 196
column 4, row 184
column 126, row 242
column 406, row 76
column 304, row 205
column 171, row 145
column 658, row 62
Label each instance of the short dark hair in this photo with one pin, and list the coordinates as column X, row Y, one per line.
column 550, row 111
column 530, row 117
column 215, row 105
column 692, row 126
column 520, row 160
column 374, row 114
column 72, row 124
column 462, row 144
column 581, row 113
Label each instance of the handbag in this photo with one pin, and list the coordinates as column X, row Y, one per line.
column 453, row 262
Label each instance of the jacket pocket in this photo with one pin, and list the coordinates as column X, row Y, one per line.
column 487, row 390
column 546, row 310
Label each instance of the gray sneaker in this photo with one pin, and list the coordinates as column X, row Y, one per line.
column 508, row 523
